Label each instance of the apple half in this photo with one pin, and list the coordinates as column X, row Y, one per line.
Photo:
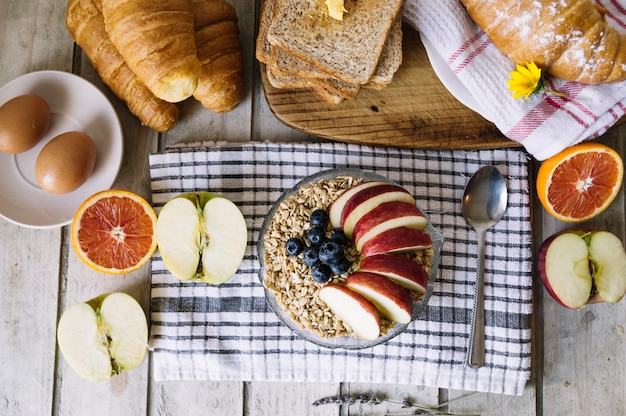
column 201, row 236
column 103, row 336
column 392, row 300
column 353, row 309
column 578, row 267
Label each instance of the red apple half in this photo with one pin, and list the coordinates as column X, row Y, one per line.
column 606, row 252
column 391, row 299
column 385, row 216
column 353, row 309
column 336, row 208
column 402, row 270
column 368, row 199
column 396, row 240
column 583, row 266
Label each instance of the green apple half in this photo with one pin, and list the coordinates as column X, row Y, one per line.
column 202, row 236
column 103, row 336
column 578, row 267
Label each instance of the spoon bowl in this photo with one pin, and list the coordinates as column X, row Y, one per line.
column 483, row 205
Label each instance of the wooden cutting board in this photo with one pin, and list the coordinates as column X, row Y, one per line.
column 415, row 110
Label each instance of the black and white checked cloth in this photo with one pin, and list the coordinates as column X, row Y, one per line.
column 228, row 332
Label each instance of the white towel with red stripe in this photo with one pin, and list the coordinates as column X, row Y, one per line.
column 544, row 124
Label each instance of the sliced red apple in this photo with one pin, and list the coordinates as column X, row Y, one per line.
column 353, row 309
column 396, row 240
column 368, row 199
column 391, row 299
column 336, row 208
column 402, row 270
column 385, row 216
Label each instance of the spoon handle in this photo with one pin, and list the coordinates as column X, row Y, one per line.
column 476, row 347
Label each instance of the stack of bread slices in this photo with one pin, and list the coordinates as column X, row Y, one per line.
column 301, row 46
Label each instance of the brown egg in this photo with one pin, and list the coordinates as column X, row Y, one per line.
column 24, row 120
column 65, row 163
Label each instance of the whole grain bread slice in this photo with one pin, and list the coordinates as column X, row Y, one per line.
column 348, row 50
column 263, row 49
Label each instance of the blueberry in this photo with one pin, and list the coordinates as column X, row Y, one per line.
column 294, row 246
column 341, row 266
column 319, row 218
column 310, row 256
column 330, row 252
column 316, row 235
column 339, row 237
column 321, row 273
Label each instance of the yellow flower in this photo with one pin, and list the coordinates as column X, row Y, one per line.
column 526, row 80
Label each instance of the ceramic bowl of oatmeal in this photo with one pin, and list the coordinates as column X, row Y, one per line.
column 291, row 290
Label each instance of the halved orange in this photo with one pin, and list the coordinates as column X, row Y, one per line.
column 580, row 182
column 114, row 231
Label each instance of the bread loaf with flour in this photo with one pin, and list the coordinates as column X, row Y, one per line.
column 571, row 39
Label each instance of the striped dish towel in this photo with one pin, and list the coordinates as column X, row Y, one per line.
column 543, row 124
column 228, row 332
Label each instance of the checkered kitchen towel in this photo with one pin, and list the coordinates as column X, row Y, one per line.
column 544, row 124
column 228, row 332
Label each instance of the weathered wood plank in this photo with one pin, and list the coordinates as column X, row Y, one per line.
column 124, row 394
column 29, row 276
column 287, row 398
column 584, row 367
column 29, row 259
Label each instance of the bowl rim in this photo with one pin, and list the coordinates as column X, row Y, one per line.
column 346, row 342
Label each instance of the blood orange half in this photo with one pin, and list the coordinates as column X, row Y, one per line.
column 114, row 232
column 580, row 182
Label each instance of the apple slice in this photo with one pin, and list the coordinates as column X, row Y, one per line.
column 353, row 309
column 606, row 252
column 396, row 240
column 104, row 336
column 385, row 216
column 391, row 299
column 336, row 208
column 366, row 200
column 400, row 269
column 201, row 236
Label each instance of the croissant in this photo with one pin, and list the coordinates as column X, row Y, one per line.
column 220, row 83
column 85, row 24
column 156, row 38
column 571, row 39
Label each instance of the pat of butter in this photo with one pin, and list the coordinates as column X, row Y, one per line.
column 335, row 9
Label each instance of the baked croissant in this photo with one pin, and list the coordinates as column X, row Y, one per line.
column 156, row 38
column 571, row 39
column 85, row 24
column 220, row 84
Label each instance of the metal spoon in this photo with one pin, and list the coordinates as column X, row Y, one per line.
column 483, row 205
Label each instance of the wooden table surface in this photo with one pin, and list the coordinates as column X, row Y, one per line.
column 579, row 365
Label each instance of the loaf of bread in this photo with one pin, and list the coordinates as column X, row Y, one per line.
column 85, row 24
column 571, row 39
column 157, row 40
column 220, row 83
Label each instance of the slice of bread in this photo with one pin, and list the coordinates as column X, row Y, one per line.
column 391, row 58
column 295, row 82
column 263, row 48
column 348, row 50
